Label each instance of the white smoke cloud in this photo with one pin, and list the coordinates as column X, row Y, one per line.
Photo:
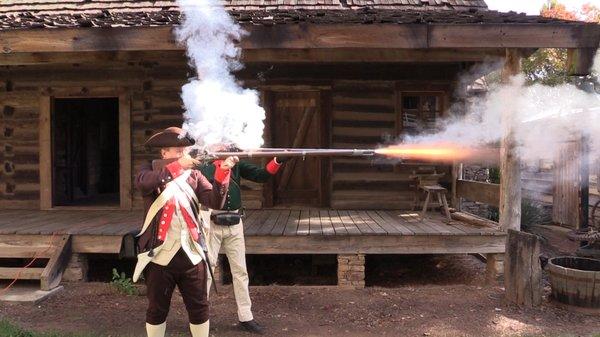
column 218, row 109
column 596, row 66
column 544, row 118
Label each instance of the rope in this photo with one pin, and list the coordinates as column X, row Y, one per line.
column 35, row 257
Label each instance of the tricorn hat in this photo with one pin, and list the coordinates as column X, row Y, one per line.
column 170, row 137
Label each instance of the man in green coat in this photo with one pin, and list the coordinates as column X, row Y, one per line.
column 227, row 230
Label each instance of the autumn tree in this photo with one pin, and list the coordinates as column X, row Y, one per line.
column 549, row 65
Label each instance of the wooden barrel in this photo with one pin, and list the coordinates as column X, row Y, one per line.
column 575, row 281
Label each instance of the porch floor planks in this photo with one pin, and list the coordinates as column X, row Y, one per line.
column 440, row 220
column 279, row 226
column 388, row 227
column 276, row 226
column 303, row 223
column 377, row 230
column 291, row 226
column 360, row 223
column 94, row 225
column 338, row 224
column 326, row 223
column 248, row 216
column 33, row 226
column 440, row 226
column 10, row 225
column 58, row 225
column 398, row 225
column 348, row 223
column 414, row 223
column 256, row 222
column 314, row 223
column 267, row 225
column 264, row 222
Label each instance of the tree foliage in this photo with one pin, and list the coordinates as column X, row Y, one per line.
column 549, row 65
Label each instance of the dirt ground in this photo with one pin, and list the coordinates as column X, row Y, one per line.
column 412, row 296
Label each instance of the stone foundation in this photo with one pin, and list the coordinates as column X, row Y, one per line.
column 494, row 267
column 351, row 270
column 77, row 268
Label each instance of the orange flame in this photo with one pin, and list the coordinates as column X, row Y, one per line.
column 429, row 152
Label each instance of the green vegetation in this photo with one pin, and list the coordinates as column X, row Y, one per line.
column 123, row 284
column 8, row 329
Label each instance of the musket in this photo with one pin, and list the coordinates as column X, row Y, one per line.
column 207, row 156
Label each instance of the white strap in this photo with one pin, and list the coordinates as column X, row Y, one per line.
column 161, row 200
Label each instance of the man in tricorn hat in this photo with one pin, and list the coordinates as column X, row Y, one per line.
column 171, row 241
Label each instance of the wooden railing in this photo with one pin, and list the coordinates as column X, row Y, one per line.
column 478, row 191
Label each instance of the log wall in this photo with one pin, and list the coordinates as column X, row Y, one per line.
column 364, row 108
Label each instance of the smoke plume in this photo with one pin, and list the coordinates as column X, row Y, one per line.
column 218, row 109
column 544, row 118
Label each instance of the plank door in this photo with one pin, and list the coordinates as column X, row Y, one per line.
column 296, row 121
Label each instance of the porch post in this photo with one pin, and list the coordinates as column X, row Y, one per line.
column 510, row 171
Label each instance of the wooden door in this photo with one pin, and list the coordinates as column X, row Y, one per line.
column 296, row 121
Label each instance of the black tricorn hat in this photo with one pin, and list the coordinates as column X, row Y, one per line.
column 170, row 137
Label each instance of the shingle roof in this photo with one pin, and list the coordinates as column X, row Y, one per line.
column 41, row 7
column 15, row 14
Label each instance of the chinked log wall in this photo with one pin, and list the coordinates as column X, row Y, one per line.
column 362, row 111
column 155, row 104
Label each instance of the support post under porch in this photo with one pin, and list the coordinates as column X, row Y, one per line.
column 494, row 267
column 351, row 270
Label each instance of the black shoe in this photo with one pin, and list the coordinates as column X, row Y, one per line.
column 253, row 327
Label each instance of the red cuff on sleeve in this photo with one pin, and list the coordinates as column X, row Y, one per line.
column 272, row 167
column 175, row 169
column 221, row 176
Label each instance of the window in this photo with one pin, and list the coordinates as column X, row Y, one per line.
column 420, row 111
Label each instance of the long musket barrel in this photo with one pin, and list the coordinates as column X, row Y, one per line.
column 282, row 152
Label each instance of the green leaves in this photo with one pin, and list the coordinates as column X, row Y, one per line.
column 123, row 284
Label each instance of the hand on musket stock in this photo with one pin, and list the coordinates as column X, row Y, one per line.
column 228, row 163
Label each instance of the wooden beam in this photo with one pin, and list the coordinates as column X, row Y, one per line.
column 57, row 264
column 375, row 55
column 45, row 141
column 97, row 244
column 23, row 274
column 510, row 169
column 580, row 61
column 326, row 165
column 125, row 174
column 478, row 191
column 522, row 269
column 347, row 55
column 508, row 35
column 10, row 250
column 260, row 55
column 378, row 244
column 314, row 36
column 473, row 220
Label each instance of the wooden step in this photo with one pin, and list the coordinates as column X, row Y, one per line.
column 9, row 250
column 21, row 273
column 26, row 246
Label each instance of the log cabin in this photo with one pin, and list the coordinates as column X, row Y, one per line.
column 84, row 82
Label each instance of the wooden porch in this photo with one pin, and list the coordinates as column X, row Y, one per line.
column 272, row 231
column 62, row 236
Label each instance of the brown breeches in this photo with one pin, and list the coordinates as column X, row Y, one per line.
column 191, row 281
